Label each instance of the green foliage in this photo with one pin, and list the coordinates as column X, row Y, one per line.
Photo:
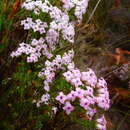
column 86, row 123
column 25, row 78
column 62, row 85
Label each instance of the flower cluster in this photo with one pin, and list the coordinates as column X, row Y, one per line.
column 102, row 94
column 76, row 77
column 36, row 6
column 94, row 92
column 90, row 91
column 48, row 73
column 60, row 24
column 60, row 19
column 37, row 26
column 79, row 5
column 33, row 50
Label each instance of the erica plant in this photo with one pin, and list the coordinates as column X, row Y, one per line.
column 53, row 31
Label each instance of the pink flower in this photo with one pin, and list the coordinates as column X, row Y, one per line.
column 44, row 99
column 101, row 123
column 71, row 96
column 71, row 66
column 91, row 99
column 47, row 88
column 76, row 73
column 50, row 77
column 68, row 108
column 65, row 1
column 103, row 103
column 76, row 82
column 101, row 83
column 89, row 91
column 90, row 112
column 84, row 102
column 79, row 92
column 89, row 78
column 101, row 120
column 68, row 75
column 61, row 97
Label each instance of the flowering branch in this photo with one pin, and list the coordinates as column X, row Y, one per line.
column 90, row 92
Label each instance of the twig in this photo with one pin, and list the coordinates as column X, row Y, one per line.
column 90, row 17
column 114, row 97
